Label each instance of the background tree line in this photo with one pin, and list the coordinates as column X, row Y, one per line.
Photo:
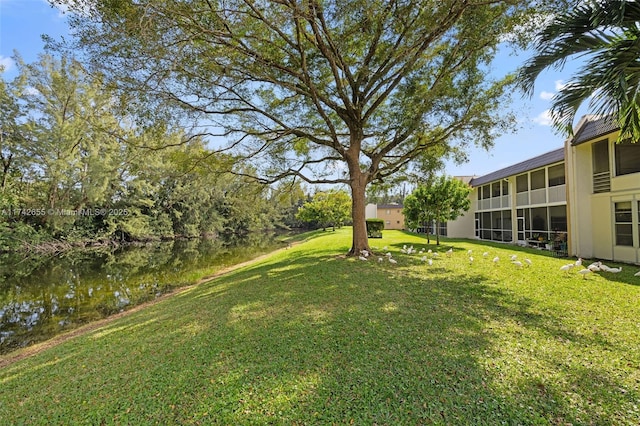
column 75, row 166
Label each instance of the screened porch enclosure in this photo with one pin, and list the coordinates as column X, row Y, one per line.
column 536, row 224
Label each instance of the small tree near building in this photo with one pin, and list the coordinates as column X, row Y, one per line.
column 330, row 208
column 444, row 199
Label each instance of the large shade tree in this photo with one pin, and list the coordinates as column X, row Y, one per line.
column 328, row 91
column 605, row 35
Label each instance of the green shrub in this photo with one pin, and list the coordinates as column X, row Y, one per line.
column 374, row 228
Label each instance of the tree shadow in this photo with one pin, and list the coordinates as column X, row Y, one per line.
column 312, row 338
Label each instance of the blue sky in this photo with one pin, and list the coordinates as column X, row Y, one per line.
column 22, row 22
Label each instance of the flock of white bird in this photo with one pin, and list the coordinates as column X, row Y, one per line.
column 429, row 255
column 594, row 267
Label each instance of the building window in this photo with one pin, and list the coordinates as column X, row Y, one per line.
column 556, row 175
column 601, row 174
column 538, row 179
column 522, row 183
column 627, row 158
column 495, row 225
column 495, row 189
column 558, row 218
column 486, row 192
column 624, row 224
column 505, row 187
column 600, row 151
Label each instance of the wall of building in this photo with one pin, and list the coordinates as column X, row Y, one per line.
column 580, row 183
column 392, row 216
column 371, row 211
column 592, row 215
column 462, row 227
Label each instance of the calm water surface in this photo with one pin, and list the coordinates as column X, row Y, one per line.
column 43, row 296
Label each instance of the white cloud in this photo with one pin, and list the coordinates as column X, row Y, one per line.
column 546, row 95
column 544, row 118
column 6, row 63
column 559, row 85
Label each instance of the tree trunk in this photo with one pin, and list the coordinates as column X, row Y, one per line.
column 358, row 185
column 360, row 240
column 426, row 231
column 6, row 166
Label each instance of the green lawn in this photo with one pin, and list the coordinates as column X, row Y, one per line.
column 308, row 336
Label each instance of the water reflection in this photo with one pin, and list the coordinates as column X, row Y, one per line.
column 43, row 296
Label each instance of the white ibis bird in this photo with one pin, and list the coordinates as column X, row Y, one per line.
column 362, row 258
column 517, row 263
column 392, row 261
column 579, row 261
column 615, row 270
column 423, row 258
column 470, row 260
column 485, row 254
column 637, row 274
column 380, row 259
column 469, row 252
column 528, row 262
column 450, row 252
column 430, row 262
column 496, row 259
column 595, row 266
column 514, row 257
column 585, row 272
column 566, row 268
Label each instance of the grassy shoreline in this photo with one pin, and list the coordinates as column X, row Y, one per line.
column 307, row 336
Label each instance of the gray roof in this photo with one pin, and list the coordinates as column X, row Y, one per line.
column 465, row 179
column 594, row 126
column 551, row 157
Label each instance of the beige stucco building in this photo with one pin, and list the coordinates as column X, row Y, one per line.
column 524, row 203
column 582, row 199
column 390, row 213
column 604, row 196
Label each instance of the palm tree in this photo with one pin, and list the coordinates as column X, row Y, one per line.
column 605, row 34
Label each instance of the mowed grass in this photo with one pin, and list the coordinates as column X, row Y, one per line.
column 308, row 336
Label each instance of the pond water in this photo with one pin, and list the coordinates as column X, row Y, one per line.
column 42, row 296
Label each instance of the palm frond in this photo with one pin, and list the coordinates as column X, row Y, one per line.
column 607, row 35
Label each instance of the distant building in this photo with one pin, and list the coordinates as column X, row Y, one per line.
column 390, row 213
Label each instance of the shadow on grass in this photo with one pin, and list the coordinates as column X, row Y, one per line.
column 313, row 338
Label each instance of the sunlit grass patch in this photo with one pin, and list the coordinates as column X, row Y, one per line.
column 308, row 336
